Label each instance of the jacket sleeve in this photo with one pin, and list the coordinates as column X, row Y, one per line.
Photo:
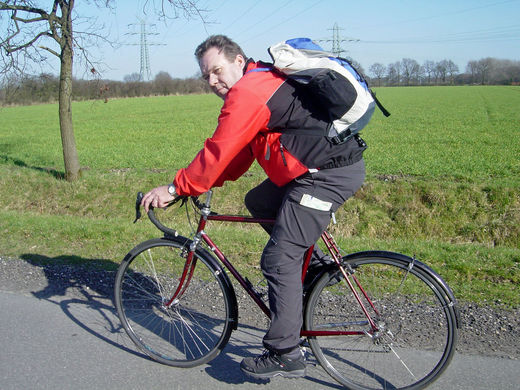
column 226, row 155
column 237, row 167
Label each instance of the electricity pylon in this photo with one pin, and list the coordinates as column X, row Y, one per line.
column 337, row 40
column 145, row 74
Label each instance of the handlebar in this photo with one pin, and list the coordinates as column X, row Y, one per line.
column 151, row 214
column 203, row 207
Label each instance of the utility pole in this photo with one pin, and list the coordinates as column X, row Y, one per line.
column 337, row 40
column 145, row 74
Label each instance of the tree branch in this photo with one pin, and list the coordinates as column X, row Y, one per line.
column 50, row 50
column 39, row 19
column 188, row 8
column 32, row 10
column 7, row 43
column 11, row 49
column 29, row 23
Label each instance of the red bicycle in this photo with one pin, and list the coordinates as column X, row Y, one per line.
column 373, row 320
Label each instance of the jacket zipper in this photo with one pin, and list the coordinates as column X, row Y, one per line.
column 268, row 153
column 283, row 155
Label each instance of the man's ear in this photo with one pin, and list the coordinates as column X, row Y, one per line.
column 240, row 60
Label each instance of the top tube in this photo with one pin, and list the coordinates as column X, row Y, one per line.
column 205, row 209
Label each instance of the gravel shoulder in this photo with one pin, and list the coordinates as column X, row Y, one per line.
column 485, row 330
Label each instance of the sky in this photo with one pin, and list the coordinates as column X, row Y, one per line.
column 371, row 31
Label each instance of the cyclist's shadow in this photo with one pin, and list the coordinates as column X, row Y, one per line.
column 85, row 296
column 226, row 366
column 84, row 293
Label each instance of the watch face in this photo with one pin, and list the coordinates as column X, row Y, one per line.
column 171, row 189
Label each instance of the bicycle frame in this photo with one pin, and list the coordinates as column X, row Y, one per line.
column 246, row 284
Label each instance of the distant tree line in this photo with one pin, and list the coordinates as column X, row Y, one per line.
column 44, row 88
column 407, row 72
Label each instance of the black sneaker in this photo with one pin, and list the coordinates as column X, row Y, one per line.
column 271, row 364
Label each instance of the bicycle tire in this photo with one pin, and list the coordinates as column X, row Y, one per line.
column 417, row 323
column 196, row 326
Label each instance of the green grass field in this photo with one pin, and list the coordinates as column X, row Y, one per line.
column 443, row 183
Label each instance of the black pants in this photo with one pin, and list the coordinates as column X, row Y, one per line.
column 302, row 210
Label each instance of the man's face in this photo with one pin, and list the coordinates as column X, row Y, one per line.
column 219, row 72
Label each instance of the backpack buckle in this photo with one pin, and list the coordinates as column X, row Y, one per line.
column 341, row 137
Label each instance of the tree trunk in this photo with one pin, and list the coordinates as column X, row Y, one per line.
column 70, row 154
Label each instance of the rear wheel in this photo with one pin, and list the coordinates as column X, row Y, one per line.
column 185, row 332
column 415, row 319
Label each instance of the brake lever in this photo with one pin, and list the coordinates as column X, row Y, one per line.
column 182, row 199
column 138, row 201
column 140, row 197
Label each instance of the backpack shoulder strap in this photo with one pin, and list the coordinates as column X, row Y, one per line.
column 259, row 70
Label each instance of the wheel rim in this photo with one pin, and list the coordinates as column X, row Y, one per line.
column 187, row 331
column 416, row 330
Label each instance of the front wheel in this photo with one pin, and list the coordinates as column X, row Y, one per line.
column 183, row 332
column 414, row 316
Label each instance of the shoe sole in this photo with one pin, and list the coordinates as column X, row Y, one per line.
column 285, row 374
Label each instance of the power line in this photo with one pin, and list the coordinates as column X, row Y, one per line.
column 242, row 15
column 145, row 74
column 435, row 16
column 283, row 22
column 491, row 34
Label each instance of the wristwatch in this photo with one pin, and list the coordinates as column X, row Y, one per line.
column 171, row 190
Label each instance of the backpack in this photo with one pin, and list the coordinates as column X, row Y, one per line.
column 334, row 83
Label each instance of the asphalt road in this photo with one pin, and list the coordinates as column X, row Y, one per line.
column 75, row 342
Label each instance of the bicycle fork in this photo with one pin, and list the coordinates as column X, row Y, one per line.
column 191, row 260
column 187, row 273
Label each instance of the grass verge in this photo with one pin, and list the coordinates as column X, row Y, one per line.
column 91, row 222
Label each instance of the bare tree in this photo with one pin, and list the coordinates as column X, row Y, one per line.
column 410, row 70
column 378, row 70
column 163, row 83
column 30, row 25
column 441, row 71
column 471, row 68
column 452, row 69
column 429, row 70
column 493, row 71
column 132, row 78
column 509, row 72
column 394, row 73
column 484, row 67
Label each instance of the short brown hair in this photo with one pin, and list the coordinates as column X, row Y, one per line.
column 230, row 48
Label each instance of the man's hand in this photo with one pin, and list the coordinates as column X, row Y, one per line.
column 158, row 197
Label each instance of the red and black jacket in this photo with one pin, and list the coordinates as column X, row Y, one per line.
column 265, row 117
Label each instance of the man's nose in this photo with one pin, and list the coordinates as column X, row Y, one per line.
column 212, row 80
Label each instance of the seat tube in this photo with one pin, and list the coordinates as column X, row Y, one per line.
column 306, row 261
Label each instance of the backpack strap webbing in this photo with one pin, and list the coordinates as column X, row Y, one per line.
column 379, row 105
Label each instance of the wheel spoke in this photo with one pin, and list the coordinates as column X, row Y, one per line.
column 186, row 332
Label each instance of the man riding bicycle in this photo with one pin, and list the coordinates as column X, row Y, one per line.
column 268, row 118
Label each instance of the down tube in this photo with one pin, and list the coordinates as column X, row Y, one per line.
column 235, row 273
